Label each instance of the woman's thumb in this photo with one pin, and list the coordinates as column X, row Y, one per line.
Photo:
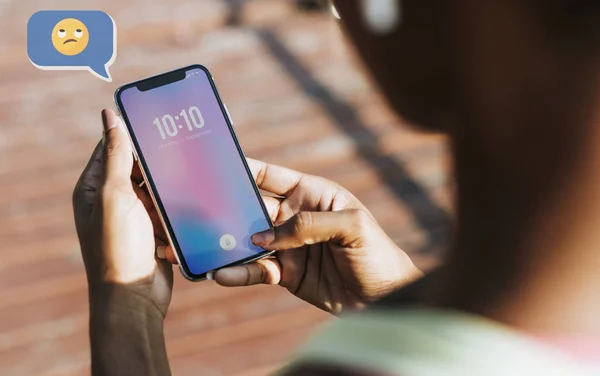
column 118, row 160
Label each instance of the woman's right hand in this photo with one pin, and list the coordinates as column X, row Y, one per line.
column 330, row 250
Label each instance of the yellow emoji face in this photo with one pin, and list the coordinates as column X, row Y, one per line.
column 70, row 36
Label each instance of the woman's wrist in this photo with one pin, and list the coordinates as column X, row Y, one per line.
column 112, row 299
column 126, row 331
column 403, row 277
column 123, row 309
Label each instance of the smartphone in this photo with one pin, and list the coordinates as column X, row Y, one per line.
column 195, row 170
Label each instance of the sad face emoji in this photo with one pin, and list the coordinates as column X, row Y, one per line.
column 70, row 36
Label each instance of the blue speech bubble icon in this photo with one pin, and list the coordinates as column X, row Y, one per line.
column 72, row 40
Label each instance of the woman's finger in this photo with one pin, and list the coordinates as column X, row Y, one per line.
column 306, row 228
column 118, row 157
column 272, row 205
column 136, row 174
column 272, row 178
column 267, row 271
column 144, row 197
column 166, row 252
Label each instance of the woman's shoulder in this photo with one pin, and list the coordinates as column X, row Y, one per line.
column 308, row 369
column 425, row 341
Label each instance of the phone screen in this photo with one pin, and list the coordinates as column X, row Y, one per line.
column 196, row 171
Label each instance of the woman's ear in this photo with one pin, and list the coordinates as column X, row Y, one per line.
column 382, row 16
column 406, row 56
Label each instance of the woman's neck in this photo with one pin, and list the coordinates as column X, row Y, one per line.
column 527, row 248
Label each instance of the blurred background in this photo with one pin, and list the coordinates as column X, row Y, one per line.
column 298, row 98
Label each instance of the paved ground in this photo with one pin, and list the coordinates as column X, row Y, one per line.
column 297, row 98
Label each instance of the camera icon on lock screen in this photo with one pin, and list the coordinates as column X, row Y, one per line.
column 72, row 40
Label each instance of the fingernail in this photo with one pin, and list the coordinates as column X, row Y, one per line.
column 263, row 238
column 210, row 275
column 160, row 252
column 109, row 120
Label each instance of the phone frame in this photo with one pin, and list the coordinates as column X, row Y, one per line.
column 166, row 79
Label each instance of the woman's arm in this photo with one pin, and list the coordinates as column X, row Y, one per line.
column 126, row 334
column 129, row 287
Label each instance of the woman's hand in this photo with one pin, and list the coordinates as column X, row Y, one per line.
column 331, row 252
column 117, row 225
column 130, row 289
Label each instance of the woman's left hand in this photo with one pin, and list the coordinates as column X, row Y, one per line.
column 117, row 224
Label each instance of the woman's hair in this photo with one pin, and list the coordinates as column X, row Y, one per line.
column 424, row 51
column 515, row 83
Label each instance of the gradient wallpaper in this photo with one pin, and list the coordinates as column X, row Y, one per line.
column 198, row 174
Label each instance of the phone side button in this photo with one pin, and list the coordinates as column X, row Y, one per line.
column 228, row 114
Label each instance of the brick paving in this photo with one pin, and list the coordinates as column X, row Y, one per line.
column 297, row 97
